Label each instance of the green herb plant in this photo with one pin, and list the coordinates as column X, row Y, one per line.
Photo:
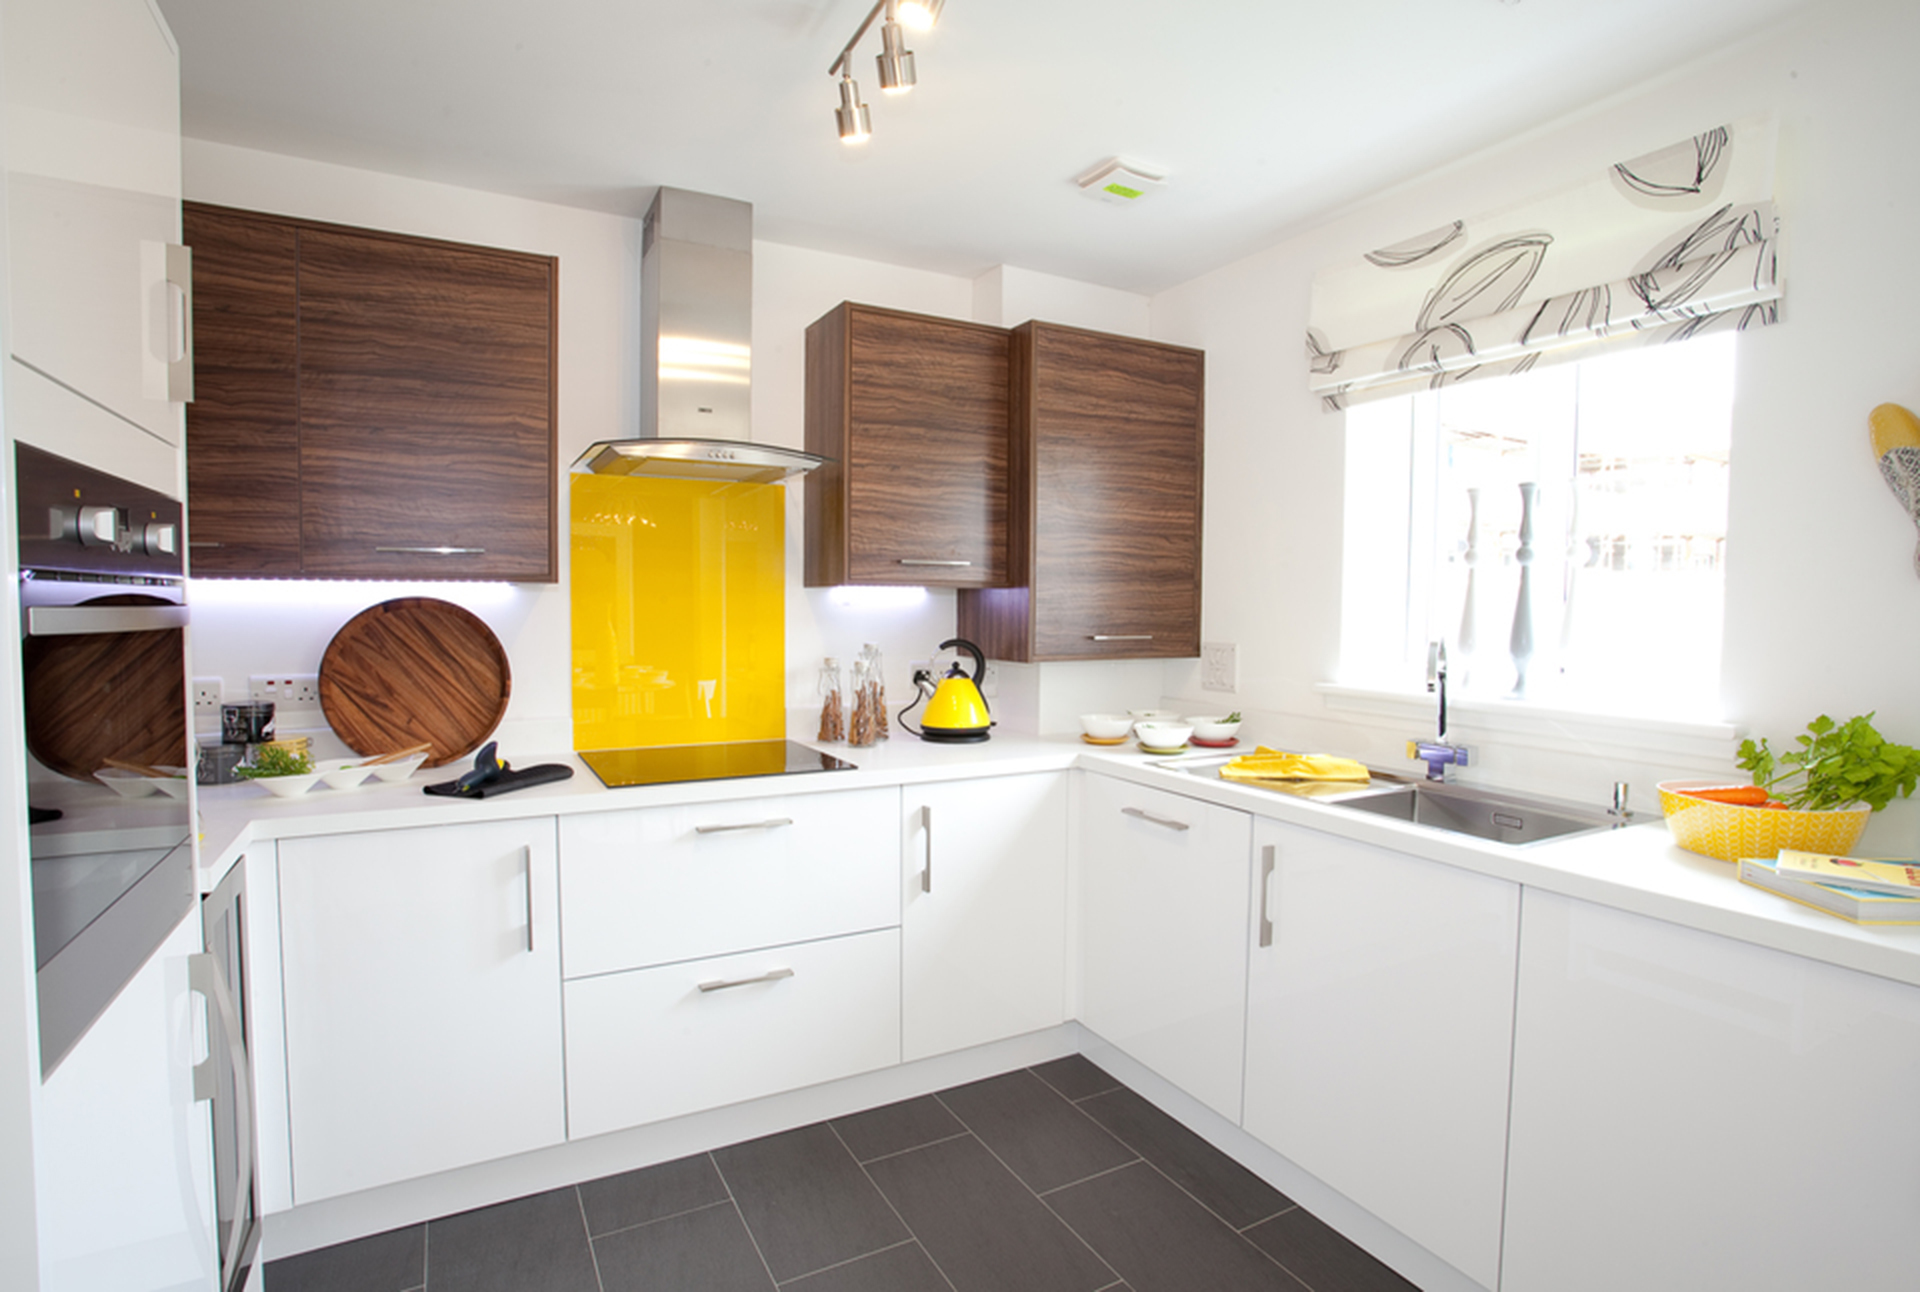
column 274, row 761
column 1836, row 764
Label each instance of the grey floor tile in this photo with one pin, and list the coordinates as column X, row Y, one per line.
column 1160, row 1240
column 905, row 1268
column 894, row 1128
column 806, row 1201
column 1046, row 1140
column 1075, row 1076
column 536, row 1244
column 983, row 1227
column 388, row 1262
column 651, row 1193
column 1323, row 1258
column 698, row 1251
column 1232, row 1192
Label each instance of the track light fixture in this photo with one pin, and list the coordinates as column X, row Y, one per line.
column 895, row 60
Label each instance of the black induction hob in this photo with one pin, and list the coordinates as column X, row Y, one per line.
column 671, row 764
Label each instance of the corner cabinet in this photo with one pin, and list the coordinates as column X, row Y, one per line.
column 911, row 414
column 421, row 988
column 1105, row 502
column 370, row 405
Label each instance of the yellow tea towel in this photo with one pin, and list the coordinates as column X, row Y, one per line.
column 1265, row 764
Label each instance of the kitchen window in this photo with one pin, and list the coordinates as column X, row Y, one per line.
column 1614, row 470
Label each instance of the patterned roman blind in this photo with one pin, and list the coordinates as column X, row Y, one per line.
column 1664, row 247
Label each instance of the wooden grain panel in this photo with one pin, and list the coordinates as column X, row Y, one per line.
column 920, row 431
column 426, row 407
column 243, row 449
column 95, row 696
column 415, row 669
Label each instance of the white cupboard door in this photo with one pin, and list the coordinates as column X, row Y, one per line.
column 1379, row 1031
column 1163, row 939
column 984, row 915
column 123, row 1154
column 1694, row 1112
column 422, row 989
column 93, row 202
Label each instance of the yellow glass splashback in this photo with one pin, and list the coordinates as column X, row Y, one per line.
column 679, row 612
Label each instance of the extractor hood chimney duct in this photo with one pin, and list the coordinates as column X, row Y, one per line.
column 696, row 334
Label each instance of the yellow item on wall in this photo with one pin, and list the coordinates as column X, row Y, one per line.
column 1896, row 442
column 679, row 612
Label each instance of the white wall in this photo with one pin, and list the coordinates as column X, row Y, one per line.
column 1823, row 606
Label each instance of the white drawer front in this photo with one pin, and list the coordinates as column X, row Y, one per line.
column 659, row 885
column 653, row 1044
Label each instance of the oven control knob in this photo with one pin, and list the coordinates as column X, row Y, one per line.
column 100, row 526
column 159, row 539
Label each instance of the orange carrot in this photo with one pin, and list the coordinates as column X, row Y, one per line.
column 1742, row 795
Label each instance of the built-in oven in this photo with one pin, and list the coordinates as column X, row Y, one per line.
column 103, row 665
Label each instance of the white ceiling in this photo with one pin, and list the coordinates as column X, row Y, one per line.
column 1266, row 114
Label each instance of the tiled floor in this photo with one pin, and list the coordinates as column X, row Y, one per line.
column 1048, row 1179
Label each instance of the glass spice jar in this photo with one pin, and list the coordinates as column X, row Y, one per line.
column 833, row 714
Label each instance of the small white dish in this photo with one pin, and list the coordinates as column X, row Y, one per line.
column 1163, row 737
column 137, row 785
column 399, row 769
column 285, row 787
column 1214, row 730
column 1152, row 715
column 1106, row 726
column 343, row 773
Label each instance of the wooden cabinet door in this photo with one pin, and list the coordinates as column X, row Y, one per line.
column 243, row 428
column 911, row 413
column 426, row 409
column 1106, row 504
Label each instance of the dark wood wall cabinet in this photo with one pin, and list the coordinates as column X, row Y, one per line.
column 911, row 413
column 369, row 405
column 1104, row 502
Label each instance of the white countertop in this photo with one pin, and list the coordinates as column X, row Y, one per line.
column 1637, row 868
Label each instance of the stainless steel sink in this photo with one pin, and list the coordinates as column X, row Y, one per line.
column 1441, row 805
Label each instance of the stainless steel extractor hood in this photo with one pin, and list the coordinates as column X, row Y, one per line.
column 696, row 332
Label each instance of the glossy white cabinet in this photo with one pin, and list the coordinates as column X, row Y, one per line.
column 97, row 305
column 122, row 1151
column 984, row 910
column 1694, row 1112
column 1379, row 1030
column 1163, row 934
column 656, row 1043
column 656, row 885
column 421, row 985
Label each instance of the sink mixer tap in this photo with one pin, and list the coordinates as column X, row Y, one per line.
column 1437, row 754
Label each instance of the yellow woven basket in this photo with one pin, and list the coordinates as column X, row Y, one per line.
column 1729, row 831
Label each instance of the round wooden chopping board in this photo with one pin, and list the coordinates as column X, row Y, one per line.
column 415, row 669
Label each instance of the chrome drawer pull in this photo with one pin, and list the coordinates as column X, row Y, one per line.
column 771, row 975
column 911, row 560
column 1157, row 820
column 1266, row 895
column 1121, row 637
column 436, row 551
column 526, row 857
column 773, row 824
column 926, row 824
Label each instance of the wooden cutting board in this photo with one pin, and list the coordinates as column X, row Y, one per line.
column 415, row 669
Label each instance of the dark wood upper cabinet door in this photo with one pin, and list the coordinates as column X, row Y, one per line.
column 912, row 412
column 426, row 409
column 243, row 427
column 1107, row 471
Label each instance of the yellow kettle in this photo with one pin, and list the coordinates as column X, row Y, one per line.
column 956, row 711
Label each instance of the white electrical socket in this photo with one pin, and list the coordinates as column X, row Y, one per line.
column 1219, row 667
column 287, row 690
column 990, row 681
column 206, row 697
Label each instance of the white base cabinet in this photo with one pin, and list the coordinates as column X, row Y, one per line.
column 422, row 992
column 1379, row 1030
column 1694, row 1112
column 1163, row 935
column 984, row 911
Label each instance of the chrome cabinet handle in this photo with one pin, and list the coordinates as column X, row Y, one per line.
column 436, row 551
column 72, row 621
column 1121, row 637
column 179, row 273
column 1157, row 820
column 526, row 856
column 1266, row 893
column 926, row 824
column 773, row 823
column 913, row 560
column 771, row 975
column 205, row 979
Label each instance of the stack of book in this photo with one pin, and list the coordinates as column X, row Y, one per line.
column 1866, row 892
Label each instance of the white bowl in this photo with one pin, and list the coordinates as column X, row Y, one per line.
column 343, row 773
column 400, row 769
column 136, row 785
column 1107, row 726
column 285, row 787
column 1162, row 737
column 1152, row 715
column 1214, row 728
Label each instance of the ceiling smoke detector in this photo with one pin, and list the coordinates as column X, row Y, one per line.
column 1120, row 182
